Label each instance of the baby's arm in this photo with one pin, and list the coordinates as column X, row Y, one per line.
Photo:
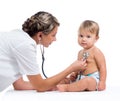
column 100, row 59
column 73, row 76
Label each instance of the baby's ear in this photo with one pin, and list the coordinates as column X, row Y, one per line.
column 97, row 37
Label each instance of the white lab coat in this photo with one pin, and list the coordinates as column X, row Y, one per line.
column 17, row 57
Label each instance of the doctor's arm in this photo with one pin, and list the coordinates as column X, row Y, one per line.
column 38, row 83
column 41, row 84
column 20, row 84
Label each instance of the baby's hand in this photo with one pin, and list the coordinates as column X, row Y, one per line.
column 73, row 76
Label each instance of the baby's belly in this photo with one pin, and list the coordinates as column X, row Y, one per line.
column 89, row 70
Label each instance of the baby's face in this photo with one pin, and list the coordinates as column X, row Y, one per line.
column 86, row 39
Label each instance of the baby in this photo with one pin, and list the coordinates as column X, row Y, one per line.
column 93, row 77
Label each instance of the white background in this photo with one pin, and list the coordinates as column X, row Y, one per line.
column 70, row 14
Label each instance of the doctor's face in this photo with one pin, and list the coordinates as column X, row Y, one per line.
column 47, row 40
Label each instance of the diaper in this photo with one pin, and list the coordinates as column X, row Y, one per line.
column 95, row 75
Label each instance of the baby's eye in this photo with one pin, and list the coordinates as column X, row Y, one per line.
column 88, row 36
column 81, row 36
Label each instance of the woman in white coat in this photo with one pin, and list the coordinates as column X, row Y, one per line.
column 18, row 54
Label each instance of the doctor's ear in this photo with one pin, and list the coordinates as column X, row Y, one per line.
column 39, row 35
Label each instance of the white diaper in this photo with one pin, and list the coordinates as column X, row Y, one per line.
column 95, row 75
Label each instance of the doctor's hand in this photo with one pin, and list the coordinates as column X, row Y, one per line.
column 79, row 65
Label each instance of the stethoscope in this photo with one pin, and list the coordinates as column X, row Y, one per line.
column 85, row 56
column 43, row 59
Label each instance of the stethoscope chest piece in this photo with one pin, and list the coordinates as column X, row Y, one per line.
column 85, row 55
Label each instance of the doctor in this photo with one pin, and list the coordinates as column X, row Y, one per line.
column 18, row 54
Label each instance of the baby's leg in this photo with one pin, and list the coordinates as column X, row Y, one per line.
column 87, row 83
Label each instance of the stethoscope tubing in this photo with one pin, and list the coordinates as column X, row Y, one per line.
column 43, row 59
